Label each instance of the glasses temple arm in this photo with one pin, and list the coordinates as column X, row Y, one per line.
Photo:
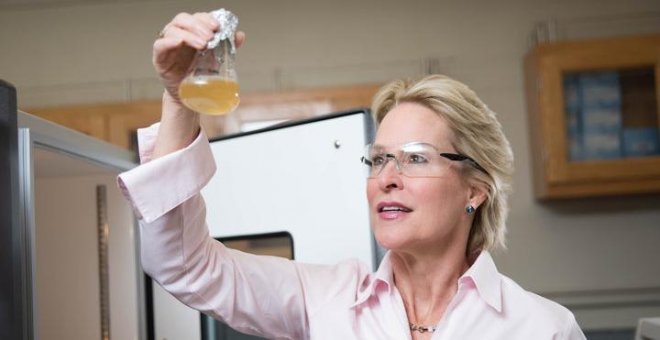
column 459, row 157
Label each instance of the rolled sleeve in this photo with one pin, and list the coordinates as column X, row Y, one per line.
column 180, row 175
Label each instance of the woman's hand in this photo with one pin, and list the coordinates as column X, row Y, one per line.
column 175, row 48
column 173, row 54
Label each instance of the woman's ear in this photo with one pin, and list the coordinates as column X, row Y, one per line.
column 477, row 194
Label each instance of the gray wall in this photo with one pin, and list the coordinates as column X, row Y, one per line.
column 67, row 254
column 597, row 256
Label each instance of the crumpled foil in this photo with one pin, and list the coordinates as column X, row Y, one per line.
column 228, row 22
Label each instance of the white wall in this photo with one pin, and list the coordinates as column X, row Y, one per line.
column 598, row 256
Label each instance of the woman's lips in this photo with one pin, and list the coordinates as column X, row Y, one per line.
column 392, row 210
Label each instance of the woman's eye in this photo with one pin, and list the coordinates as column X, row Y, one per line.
column 416, row 158
column 377, row 160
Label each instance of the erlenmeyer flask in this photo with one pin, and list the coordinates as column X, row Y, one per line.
column 212, row 85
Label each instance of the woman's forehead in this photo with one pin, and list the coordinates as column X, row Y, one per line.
column 410, row 122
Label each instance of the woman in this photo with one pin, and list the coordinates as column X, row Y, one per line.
column 438, row 182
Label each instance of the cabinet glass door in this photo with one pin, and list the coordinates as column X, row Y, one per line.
column 611, row 114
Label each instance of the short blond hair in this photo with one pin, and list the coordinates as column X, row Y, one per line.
column 477, row 134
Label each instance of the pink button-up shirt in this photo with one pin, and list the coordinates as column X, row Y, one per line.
column 282, row 299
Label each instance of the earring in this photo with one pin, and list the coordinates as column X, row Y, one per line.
column 469, row 209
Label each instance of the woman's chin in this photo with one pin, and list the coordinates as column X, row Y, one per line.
column 390, row 241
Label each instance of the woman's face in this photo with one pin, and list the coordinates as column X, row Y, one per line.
column 432, row 214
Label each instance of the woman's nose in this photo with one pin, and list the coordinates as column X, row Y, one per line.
column 390, row 176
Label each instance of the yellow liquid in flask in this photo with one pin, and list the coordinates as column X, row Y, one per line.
column 210, row 95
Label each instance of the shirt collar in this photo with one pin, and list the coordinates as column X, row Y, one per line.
column 487, row 279
column 383, row 277
column 482, row 272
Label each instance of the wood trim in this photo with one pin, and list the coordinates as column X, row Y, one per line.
column 342, row 95
column 601, row 188
column 604, row 53
column 533, row 88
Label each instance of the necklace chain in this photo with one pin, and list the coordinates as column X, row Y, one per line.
column 422, row 329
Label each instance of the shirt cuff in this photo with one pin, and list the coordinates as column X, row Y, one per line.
column 158, row 186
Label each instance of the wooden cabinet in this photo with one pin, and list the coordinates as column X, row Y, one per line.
column 117, row 123
column 593, row 115
column 114, row 123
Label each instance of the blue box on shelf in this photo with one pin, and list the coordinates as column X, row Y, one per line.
column 598, row 116
column 644, row 141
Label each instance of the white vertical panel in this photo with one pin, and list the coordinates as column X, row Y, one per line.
column 295, row 179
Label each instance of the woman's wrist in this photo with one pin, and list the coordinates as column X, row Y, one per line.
column 179, row 126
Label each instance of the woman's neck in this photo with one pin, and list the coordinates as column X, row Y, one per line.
column 428, row 282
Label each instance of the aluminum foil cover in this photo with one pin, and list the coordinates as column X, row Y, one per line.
column 228, row 22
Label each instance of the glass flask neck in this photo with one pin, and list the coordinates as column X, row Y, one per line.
column 216, row 62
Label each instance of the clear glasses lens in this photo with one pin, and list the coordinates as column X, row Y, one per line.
column 413, row 160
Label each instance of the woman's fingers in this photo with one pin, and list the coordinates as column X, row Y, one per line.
column 193, row 29
column 208, row 20
column 239, row 39
column 201, row 24
column 175, row 36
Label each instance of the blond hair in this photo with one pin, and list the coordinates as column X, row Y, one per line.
column 477, row 134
